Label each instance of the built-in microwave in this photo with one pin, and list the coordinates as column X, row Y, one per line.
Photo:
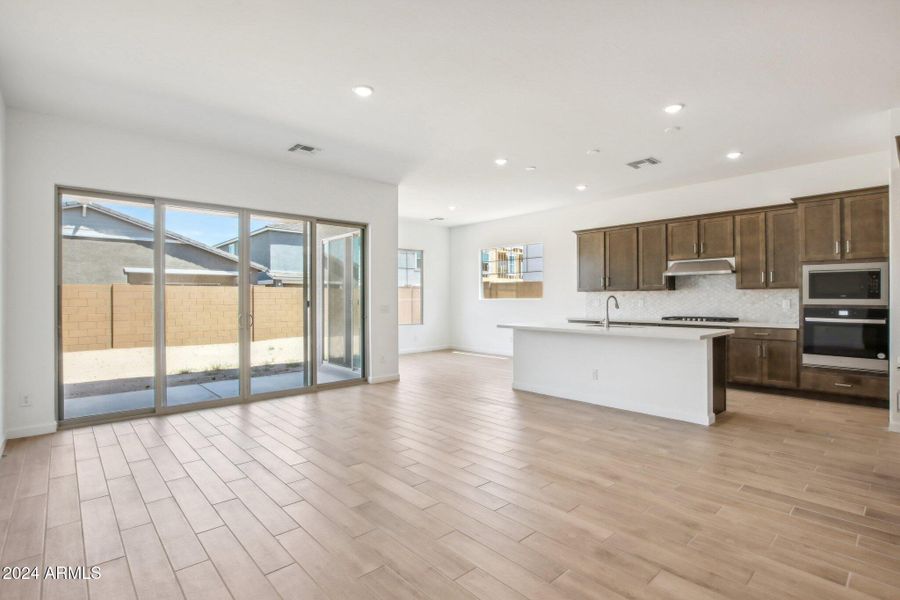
column 858, row 284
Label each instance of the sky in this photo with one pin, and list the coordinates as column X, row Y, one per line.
column 208, row 227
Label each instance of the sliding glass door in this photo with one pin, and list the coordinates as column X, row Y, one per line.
column 202, row 305
column 105, row 305
column 278, row 303
column 164, row 305
column 340, row 303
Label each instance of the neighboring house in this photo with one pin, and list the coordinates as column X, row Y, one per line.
column 279, row 248
column 102, row 245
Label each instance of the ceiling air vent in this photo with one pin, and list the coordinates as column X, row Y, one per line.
column 303, row 148
column 644, row 162
column 436, row 219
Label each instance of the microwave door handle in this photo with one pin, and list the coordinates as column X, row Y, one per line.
column 847, row 321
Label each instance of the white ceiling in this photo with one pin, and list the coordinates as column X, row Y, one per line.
column 461, row 82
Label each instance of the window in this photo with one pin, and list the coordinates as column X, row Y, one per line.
column 409, row 286
column 512, row 272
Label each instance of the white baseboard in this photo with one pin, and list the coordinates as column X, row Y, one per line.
column 21, row 432
column 474, row 350
column 425, row 349
column 384, row 378
column 895, row 427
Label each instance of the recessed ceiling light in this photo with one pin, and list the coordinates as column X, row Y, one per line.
column 594, row 151
column 674, row 109
column 531, row 168
column 674, row 129
column 363, row 91
column 580, row 187
column 451, row 208
column 500, row 162
column 734, row 155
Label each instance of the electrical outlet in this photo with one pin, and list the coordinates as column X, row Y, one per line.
column 25, row 401
column 596, row 375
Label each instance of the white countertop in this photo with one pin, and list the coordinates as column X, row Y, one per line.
column 674, row 332
column 715, row 324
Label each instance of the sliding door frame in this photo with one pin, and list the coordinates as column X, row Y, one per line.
column 160, row 407
column 364, row 320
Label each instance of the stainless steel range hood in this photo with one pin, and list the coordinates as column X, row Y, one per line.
column 711, row 266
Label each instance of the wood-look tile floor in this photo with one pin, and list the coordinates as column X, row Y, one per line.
column 449, row 485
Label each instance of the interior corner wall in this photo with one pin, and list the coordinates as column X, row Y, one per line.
column 434, row 241
column 3, row 258
column 475, row 320
column 45, row 151
column 894, row 203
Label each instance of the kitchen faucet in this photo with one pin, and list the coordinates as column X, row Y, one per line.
column 614, row 299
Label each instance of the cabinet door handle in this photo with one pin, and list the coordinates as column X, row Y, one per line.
column 764, row 351
column 837, row 246
column 843, row 385
column 760, row 333
column 847, row 246
column 695, row 247
column 771, row 276
column 759, row 351
column 701, row 247
column 762, row 276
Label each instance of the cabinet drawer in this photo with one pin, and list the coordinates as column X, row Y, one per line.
column 757, row 333
column 848, row 384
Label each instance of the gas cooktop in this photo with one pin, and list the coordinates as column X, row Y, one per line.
column 703, row 319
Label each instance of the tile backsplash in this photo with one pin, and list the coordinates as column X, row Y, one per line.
column 710, row 295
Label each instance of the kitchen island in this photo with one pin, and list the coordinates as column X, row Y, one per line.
column 673, row 372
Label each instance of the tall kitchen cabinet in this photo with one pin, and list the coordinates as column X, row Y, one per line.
column 844, row 226
column 766, row 249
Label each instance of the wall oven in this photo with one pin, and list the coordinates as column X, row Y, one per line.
column 859, row 284
column 845, row 337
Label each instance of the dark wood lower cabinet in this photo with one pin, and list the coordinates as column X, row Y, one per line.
column 744, row 361
column 763, row 357
column 779, row 365
column 844, row 383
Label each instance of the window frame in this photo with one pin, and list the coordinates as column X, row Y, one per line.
column 421, row 288
column 524, row 246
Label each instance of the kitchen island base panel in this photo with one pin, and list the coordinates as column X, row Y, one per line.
column 671, row 378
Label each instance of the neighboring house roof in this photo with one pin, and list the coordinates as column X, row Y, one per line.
column 72, row 204
column 284, row 227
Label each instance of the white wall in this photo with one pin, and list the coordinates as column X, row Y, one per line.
column 434, row 241
column 3, row 255
column 43, row 151
column 475, row 321
column 895, row 270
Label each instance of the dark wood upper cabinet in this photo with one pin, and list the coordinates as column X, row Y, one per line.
column 652, row 257
column 750, row 258
column 621, row 259
column 591, row 261
column 820, row 230
column 779, row 363
column 844, row 226
column 682, row 240
column 782, row 248
column 717, row 237
column 865, row 226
